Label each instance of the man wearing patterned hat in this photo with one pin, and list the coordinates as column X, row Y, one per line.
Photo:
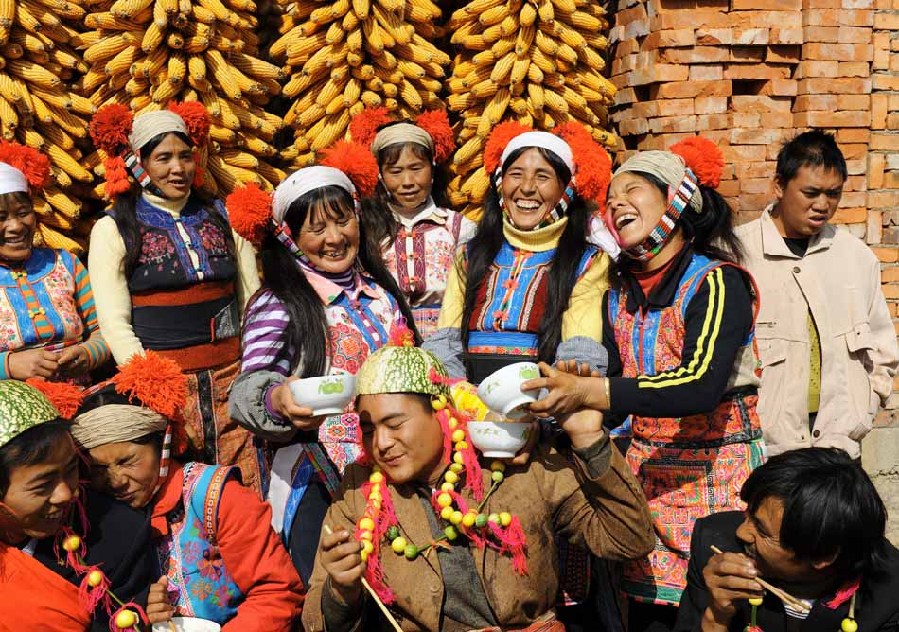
column 446, row 545
column 39, row 499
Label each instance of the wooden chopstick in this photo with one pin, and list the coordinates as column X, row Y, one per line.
column 374, row 595
column 783, row 595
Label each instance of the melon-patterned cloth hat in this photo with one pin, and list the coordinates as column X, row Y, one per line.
column 402, row 369
column 22, row 407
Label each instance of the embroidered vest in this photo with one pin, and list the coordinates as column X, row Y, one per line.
column 651, row 342
column 190, row 553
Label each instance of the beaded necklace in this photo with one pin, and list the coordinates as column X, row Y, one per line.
column 499, row 531
column 95, row 588
column 848, row 624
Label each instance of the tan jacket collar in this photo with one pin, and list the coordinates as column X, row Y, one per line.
column 773, row 243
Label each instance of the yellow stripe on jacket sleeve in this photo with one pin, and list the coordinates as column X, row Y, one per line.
column 705, row 344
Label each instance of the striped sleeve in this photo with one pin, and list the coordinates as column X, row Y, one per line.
column 264, row 340
column 717, row 322
column 96, row 347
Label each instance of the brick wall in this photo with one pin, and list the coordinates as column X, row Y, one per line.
column 752, row 73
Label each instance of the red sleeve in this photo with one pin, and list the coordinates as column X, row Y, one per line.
column 259, row 564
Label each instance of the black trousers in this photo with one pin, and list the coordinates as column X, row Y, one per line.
column 306, row 528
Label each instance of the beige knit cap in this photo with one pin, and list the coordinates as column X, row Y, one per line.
column 115, row 423
column 150, row 124
column 401, row 133
column 665, row 165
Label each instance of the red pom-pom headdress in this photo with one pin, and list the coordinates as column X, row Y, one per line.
column 65, row 397
column 156, row 381
column 356, row 162
column 195, row 118
column 110, row 128
column 365, row 126
column 250, row 212
column 703, row 157
column 34, row 165
column 501, row 136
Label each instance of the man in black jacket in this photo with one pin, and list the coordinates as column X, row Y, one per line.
column 813, row 527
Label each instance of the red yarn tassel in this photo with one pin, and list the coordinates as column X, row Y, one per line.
column 92, row 596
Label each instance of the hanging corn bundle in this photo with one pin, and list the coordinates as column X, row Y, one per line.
column 535, row 61
column 346, row 55
column 145, row 53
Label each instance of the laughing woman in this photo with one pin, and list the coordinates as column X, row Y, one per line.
column 327, row 303
column 678, row 325
column 47, row 309
column 537, row 281
column 169, row 274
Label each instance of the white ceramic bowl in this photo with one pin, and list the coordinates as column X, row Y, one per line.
column 498, row 439
column 328, row 395
column 501, row 391
column 187, row 624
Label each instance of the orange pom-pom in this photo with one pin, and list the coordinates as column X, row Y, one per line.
column 401, row 335
column 250, row 212
column 195, row 118
column 356, row 162
column 65, row 397
column 436, row 124
column 156, row 381
column 364, row 126
column 199, row 172
column 110, row 128
column 704, row 159
column 501, row 136
column 593, row 166
column 31, row 162
column 117, row 181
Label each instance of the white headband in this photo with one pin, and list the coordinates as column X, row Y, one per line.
column 544, row 140
column 12, row 180
column 303, row 181
column 150, row 124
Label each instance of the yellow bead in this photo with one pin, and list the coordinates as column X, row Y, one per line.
column 756, row 601
column 456, row 517
column 456, row 467
column 505, row 518
column 849, row 625
column 462, row 445
column 367, row 546
column 447, row 487
column 399, row 545
column 375, row 502
column 367, row 524
column 446, row 512
column 453, row 423
column 125, row 619
column 439, row 403
column 444, row 500
column 469, row 518
column 364, row 556
column 374, row 495
column 458, row 458
column 375, row 468
column 458, row 435
column 94, row 578
column 497, row 477
column 498, row 466
column 451, row 477
column 376, row 477
column 365, row 535
column 72, row 543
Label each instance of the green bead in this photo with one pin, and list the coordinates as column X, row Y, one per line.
column 411, row 552
column 451, row 533
column 393, row 533
column 494, row 518
column 497, row 477
column 481, row 521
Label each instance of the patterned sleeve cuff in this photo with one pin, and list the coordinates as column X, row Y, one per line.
column 269, row 408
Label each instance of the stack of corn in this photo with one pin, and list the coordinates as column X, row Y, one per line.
column 144, row 53
column 38, row 58
column 535, row 61
column 346, row 55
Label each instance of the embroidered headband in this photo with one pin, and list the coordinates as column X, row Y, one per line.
column 544, row 140
column 401, row 133
column 430, row 129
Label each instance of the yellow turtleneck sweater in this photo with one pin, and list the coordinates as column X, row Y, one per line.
column 106, row 266
column 583, row 317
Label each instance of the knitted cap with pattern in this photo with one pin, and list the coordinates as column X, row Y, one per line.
column 22, row 407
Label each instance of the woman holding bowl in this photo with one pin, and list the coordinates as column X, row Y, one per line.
column 327, row 303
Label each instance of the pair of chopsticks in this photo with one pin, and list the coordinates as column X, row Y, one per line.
column 784, row 596
column 374, row 595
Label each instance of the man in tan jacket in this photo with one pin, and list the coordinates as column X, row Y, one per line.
column 826, row 342
column 443, row 552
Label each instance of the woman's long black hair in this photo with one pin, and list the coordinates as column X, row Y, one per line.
column 485, row 245
column 308, row 330
column 125, row 205
column 376, row 208
column 712, row 230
